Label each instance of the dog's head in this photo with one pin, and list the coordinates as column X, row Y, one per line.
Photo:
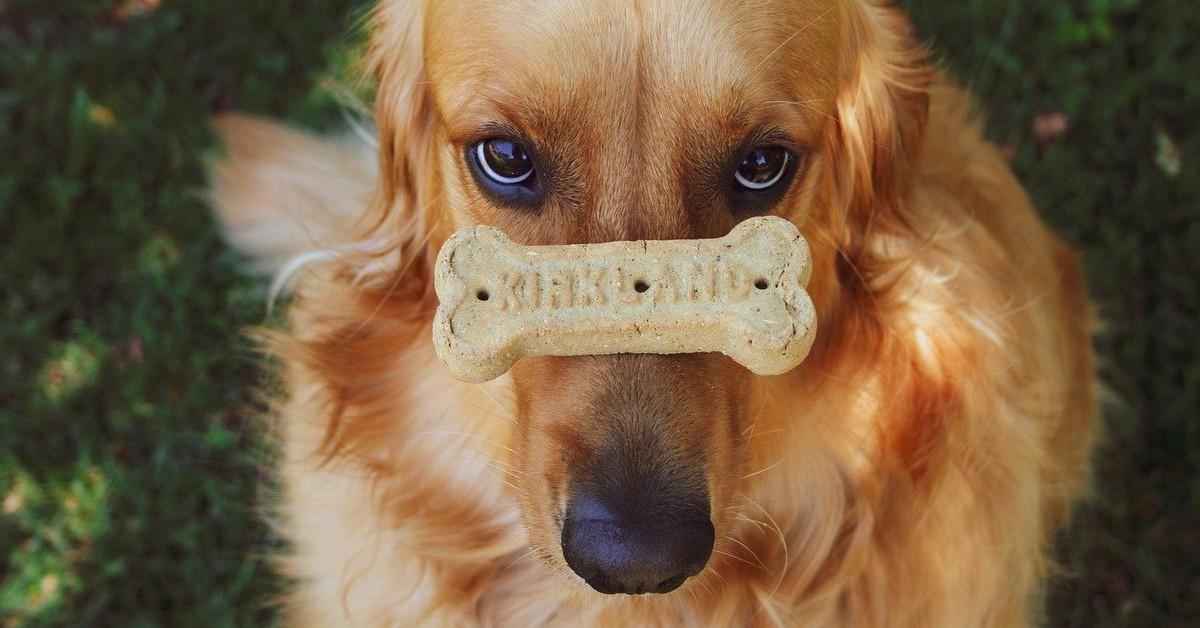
column 582, row 121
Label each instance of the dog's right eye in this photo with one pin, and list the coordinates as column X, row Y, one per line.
column 762, row 168
column 504, row 161
column 505, row 170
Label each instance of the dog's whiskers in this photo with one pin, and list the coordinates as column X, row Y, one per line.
column 766, row 394
column 778, row 430
column 507, row 468
column 752, row 553
column 720, row 579
column 487, row 411
column 732, row 556
column 503, row 476
column 783, row 545
column 507, row 414
column 764, row 469
column 772, row 524
column 503, row 472
column 517, row 559
column 749, row 432
column 494, row 467
column 485, row 439
column 706, row 584
column 501, row 465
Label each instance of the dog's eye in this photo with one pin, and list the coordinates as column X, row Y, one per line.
column 504, row 161
column 505, row 171
column 762, row 168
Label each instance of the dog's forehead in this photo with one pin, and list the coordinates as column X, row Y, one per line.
column 610, row 56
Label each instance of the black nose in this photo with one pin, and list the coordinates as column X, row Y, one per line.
column 619, row 549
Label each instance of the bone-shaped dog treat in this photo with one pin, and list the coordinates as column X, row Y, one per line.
column 743, row 295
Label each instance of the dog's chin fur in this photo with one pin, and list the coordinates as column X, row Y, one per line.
column 911, row 472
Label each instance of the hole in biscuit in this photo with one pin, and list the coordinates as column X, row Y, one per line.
column 761, row 284
column 640, row 285
column 482, row 295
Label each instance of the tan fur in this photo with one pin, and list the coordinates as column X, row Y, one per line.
column 911, row 472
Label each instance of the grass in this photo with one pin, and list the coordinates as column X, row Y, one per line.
column 129, row 461
column 130, row 466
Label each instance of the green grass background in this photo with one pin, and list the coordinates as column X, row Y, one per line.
column 130, row 464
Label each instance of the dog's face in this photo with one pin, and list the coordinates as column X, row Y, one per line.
column 568, row 122
column 580, row 121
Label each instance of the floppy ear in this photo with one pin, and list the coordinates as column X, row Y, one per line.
column 881, row 110
column 397, row 239
column 403, row 110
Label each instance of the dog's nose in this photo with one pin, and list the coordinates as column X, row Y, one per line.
column 634, row 550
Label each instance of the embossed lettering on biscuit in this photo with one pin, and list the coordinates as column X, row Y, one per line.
column 743, row 295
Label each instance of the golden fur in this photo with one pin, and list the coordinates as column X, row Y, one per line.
column 911, row 472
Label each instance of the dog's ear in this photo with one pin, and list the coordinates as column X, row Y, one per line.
column 403, row 106
column 881, row 111
column 398, row 224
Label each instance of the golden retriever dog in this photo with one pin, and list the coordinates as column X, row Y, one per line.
column 911, row 472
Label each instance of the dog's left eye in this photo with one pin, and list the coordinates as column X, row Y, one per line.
column 762, row 168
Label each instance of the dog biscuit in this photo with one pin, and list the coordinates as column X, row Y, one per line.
column 743, row 295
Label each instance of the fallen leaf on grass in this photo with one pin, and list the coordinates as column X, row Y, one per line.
column 1047, row 127
column 1167, row 156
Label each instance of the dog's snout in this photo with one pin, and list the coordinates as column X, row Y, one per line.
column 635, row 549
